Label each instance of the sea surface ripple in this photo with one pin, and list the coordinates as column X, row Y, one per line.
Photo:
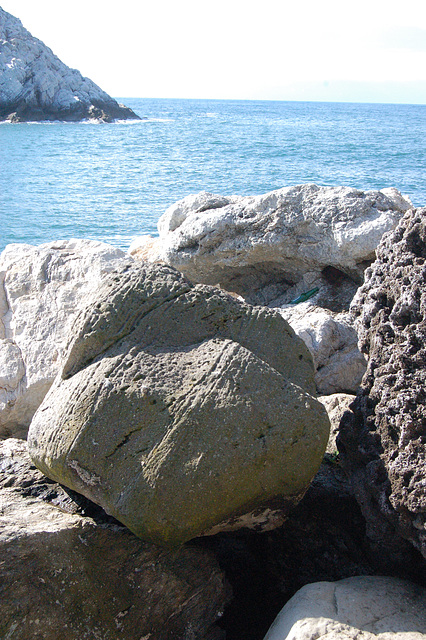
column 112, row 182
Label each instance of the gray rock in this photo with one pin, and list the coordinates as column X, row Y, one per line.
column 181, row 410
column 36, row 85
column 260, row 246
column 333, row 342
column 363, row 607
column 383, row 439
column 42, row 290
column 69, row 571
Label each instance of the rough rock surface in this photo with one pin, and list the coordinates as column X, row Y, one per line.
column 322, row 321
column 383, row 440
column 42, row 290
column 36, row 85
column 336, row 404
column 333, row 343
column 203, row 401
column 323, row 539
column 266, row 244
column 361, row 608
column 65, row 565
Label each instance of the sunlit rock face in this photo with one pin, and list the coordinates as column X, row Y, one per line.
column 181, row 410
column 35, row 85
column 42, row 290
column 262, row 246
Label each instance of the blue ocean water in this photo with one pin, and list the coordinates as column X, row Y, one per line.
column 111, row 182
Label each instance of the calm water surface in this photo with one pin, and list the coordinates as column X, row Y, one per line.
column 112, row 182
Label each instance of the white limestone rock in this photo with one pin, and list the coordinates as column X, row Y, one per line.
column 42, row 290
column 36, row 85
column 333, row 343
column 358, row 608
column 245, row 244
column 145, row 248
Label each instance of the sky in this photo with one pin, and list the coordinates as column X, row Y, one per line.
column 326, row 50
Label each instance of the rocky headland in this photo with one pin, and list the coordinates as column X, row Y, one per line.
column 220, row 424
column 35, row 85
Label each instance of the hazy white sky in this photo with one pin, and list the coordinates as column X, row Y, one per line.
column 367, row 50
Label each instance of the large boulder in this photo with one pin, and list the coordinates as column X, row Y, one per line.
column 367, row 607
column 181, row 410
column 383, row 439
column 36, row 85
column 259, row 246
column 69, row 571
column 42, row 290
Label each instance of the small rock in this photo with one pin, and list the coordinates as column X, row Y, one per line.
column 336, row 404
column 333, row 342
column 145, row 248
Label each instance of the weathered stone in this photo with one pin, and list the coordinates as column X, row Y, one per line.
column 42, row 290
column 182, row 410
column 383, row 439
column 145, row 248
column 323, row 539
column 260, row 246
column 361, row 608
column 336, row 404
column 69, row 571
column 36, row 85
column 332, row 341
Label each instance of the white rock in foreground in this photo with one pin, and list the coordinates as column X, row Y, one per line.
column 42, row 290
column 36, row 85
column 246, row 243
column 358, row 608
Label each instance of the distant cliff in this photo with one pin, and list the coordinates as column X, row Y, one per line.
column 36, row 85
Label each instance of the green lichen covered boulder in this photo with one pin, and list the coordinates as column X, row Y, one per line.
column 181, row 410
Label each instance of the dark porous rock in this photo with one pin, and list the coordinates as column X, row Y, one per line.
column 181, row 410
column 35, row 85
column 382, row 439
column 69, row 571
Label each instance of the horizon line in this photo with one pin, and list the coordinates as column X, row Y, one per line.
column 367, row 102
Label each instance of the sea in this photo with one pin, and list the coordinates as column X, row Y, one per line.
column 112, row 182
